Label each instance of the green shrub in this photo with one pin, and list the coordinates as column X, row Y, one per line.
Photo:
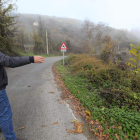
column 111, row 95
column 135, row 84
column 69, row 60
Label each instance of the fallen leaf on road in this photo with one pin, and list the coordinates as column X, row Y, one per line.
column 117, row 136
column 96, row 134
column 55, row 123
column 79, row 127
column 51, row 92
column 88, row 113
column 36, row 94
column 101, row 138
column 61, row 102
column 97, row 122
column 59, row 124
column 69, row 131
column 43, row 125
column 13, row 98
column 87, row 117
column 74, row 120
column 21, row 128
column 105, row 135
column 78, row 108
column 92, row 122
column 113, row 126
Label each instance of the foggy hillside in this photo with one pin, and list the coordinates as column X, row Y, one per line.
column 136, row 32
column 59, row 29
column 69, row 31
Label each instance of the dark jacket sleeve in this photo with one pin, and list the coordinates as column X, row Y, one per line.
column 8, row 61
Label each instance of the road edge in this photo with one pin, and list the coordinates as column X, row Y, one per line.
column 70, row 99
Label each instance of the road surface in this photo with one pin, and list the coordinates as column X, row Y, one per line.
column 34, row 108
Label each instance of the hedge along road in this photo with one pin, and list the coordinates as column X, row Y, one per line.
column 34, row 108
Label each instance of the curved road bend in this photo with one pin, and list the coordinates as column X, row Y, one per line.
column 34, row 108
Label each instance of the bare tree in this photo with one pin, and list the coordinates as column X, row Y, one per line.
column 93, row 34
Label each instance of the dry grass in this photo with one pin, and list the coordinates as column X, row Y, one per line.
column 85, row 63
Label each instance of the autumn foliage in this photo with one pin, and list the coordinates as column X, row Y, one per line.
column 108, row 53
column 110, row 95
column 135, row 60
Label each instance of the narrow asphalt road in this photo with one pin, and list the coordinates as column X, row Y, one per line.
column 34, row 108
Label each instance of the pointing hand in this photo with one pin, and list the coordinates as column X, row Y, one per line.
column 39, row 59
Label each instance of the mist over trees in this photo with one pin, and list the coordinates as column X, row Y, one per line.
column 58, row 29
column 79, row 36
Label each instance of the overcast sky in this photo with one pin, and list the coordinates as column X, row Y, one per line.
column 115, row 13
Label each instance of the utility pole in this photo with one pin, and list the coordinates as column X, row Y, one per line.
column 118, row 47
column 47, row 42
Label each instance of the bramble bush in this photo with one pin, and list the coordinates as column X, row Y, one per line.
column 113, row 94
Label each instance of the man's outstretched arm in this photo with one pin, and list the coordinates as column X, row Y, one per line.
column 8, row 61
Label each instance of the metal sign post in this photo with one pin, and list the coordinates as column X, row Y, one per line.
column 25, row 46
column 63, row 49
column 63, row 56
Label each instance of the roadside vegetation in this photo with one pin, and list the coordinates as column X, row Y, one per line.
column 110, row 92
column 32, row 54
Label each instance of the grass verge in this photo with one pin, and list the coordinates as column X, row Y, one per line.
column 110, row 95
column 32, row 54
